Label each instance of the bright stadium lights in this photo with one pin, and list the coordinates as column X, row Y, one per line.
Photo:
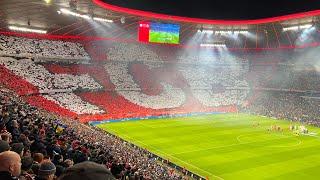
column 222, row 32
column 68, row 12
column 240, row 32
column 24, row 29
column 225, row 32
column 123, row 20
column 206, row 31
column 85, row 16
column 297, row 27
column 212, row 45
column 102, row 20
column 292, row 28
column 306, row 26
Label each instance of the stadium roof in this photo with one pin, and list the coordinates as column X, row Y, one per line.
column 216, row 11
column 47, row 15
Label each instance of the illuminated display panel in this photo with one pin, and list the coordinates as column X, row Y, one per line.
column 159, row 32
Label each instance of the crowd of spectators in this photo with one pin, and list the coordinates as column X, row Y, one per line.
column 10, row 45
column 202, row 80
column 289, row 77
column 58, row 87
column 286, row 105
column 286, row 92
column 217, row 86
column 49, row 146
column 126, row 86
column 212, row 85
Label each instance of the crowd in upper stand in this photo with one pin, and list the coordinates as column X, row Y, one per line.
column 201, row 80
column 286, row 105
column 58, row 87
column 42, row 48
column 288, row 77
column 228, row 77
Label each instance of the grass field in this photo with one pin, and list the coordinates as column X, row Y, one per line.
column 227, row 146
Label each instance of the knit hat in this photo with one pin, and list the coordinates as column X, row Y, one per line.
column 17, row 147
column 4, row 146
column 46, row 168
column 87, row 171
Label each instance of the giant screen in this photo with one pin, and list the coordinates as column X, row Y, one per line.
column 159, row 32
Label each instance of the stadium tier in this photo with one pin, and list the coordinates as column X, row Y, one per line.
column 106, row 81
column 137, row 80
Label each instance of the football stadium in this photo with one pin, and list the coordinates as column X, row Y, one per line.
column 159, row 90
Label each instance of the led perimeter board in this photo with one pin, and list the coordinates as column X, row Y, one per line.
column 159, row 32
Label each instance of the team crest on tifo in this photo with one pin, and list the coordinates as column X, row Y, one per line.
column 85, row 88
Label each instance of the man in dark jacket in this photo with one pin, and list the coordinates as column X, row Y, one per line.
column 10, row 165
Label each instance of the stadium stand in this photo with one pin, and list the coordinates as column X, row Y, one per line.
column 286, row 105
column 146, row 80
column 60, row 83
column 125, row 80
column 41, row 135
column 44, row 48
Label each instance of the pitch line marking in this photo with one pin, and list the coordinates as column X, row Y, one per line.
column 284, row 137
column 315, row 136
column 220, row 178
column 217, row 147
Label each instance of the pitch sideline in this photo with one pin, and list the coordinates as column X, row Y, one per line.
column 196, row 167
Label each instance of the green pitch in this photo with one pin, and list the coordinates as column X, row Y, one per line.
column 228, row 146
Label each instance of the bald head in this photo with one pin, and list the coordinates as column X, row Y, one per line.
column 11, row 162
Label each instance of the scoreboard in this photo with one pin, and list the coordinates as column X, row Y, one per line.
column 155, row 32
